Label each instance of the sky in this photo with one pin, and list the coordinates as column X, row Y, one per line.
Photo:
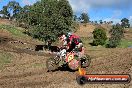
column 105, row 10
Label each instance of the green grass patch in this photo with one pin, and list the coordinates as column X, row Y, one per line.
column 125, row 43
column 5, row 58
column 15, row 31
column 86, row 42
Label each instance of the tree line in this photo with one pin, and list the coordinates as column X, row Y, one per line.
column 48, row 18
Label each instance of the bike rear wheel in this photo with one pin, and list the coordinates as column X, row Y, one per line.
column 51, row 64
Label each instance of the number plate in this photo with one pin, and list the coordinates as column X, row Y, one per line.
column 70, row 56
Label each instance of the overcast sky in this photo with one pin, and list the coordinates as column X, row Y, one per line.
column 97, row 9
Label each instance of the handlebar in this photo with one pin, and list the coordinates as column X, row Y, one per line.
column 64, row 47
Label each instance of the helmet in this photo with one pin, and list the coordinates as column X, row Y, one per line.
column 63, row 37
column 69, row 34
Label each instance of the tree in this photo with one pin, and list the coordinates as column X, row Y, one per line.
column 100, row 37
column 14, row 7
column 75, row 18
column 105, row 22
column 111, row 22
column 95, row 22
column 92, row 22
column 101, row 22
column 5, row 12
column 10, row 10
column 50, row 18
column 84, row 17
column 47, row 18
column 125, row 23
column 24, row 14
column 23, row 17
column 75, row 24
column 116, row 35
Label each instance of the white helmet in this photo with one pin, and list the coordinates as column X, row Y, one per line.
column 63, row 37
column 69, row 34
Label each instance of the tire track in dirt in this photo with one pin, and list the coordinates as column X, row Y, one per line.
column 120, row 62
column 32, row 84
column 20, row 79
column 7, row 47
column 19, row 51
column 25, row 74
column 42, row 80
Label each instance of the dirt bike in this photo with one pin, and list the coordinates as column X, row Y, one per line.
column 71, row 59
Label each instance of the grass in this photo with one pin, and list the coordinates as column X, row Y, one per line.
column 15, row 31
column 87, row 41
column 125, row 43
column 5, row 58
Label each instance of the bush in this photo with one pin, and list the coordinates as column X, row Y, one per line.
column 99, row 36
column 116, row 35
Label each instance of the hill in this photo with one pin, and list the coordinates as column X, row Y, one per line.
column 85, row 30
column 21, row 67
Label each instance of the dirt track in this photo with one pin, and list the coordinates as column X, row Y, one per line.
column 27, row 68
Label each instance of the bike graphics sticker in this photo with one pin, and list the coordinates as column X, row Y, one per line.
column 70, row 56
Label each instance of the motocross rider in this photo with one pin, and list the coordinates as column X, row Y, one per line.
column 71, row 41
